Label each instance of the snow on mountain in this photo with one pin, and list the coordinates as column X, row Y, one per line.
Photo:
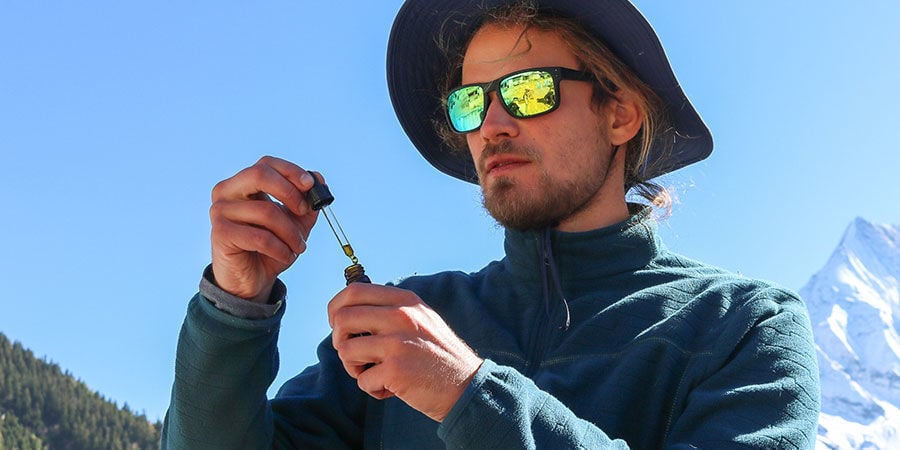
column 854, row 304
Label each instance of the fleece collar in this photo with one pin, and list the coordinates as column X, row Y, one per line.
column 587, row 256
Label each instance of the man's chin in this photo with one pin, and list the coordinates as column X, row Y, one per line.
column 522, row 222
column 503, row 185
column 517, row 213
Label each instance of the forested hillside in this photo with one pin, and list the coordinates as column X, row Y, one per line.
column 41, row 407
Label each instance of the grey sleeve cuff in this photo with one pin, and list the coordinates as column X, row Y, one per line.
column 240, row 307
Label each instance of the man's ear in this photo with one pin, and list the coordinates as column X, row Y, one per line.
column 626, row 117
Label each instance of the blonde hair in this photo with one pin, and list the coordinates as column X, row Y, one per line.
column 614, row 79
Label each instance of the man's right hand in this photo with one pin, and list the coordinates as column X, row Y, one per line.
column 253, row 237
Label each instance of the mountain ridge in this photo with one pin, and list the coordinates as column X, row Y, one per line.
column 854, row 304
column 43, row 407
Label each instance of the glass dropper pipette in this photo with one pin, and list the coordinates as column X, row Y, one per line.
column 320, row 198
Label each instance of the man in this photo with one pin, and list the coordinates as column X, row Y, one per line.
column 588, row 334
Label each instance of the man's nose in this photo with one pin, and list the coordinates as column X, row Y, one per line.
column 498, row 123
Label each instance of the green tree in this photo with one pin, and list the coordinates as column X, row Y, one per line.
column 48, row 408
column 14, row 436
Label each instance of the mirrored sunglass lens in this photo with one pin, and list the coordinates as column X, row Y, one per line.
column 529, row 93
column 464, row 107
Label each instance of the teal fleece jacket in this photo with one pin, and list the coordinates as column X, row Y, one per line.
column 601, row 339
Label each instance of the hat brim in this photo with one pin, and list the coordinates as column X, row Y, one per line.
column 416, row 65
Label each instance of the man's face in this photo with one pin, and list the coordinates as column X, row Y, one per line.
column 541, row 171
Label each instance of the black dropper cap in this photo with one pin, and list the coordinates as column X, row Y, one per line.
column 319, row 196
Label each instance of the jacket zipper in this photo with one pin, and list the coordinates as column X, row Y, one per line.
column 542, row 334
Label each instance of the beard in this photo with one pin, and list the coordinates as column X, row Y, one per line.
column 549, row 203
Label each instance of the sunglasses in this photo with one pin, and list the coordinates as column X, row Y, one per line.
column 525, row 93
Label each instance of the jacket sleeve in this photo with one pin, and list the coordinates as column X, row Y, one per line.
column 761, row 393
column 224, row 367
column 501, row 408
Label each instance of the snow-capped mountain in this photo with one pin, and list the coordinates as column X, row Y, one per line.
column 854, row 304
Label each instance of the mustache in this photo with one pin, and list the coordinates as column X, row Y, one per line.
column 503, row 148
column 499, row 148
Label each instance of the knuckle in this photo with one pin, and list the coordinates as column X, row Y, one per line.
column 216, row 223
column 268, row 212
column 258, row 238
column 392, row 369
column 354, row 289
column 341, row 318
column 218, row 189
column 364, row 385
column 408, row 316
column 410, row 298
column 255, row 174
column 301, row 246
column 216, row 210
column 337, row 343
column 218, row 219
column 337, row 317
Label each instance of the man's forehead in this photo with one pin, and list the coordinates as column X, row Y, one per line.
column 493, row 46
column 496, row 48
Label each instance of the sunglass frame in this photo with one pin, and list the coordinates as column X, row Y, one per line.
column 557, row 74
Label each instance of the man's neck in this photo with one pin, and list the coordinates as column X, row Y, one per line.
column 607, row 207
column 596, row 216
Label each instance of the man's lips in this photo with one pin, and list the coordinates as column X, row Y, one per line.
column 503, row 163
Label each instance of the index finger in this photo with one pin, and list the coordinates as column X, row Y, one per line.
column 366, row 294
column 276, row 177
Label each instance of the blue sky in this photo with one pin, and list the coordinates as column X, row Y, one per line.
column 117, row 119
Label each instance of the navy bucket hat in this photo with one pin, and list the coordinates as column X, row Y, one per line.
column 416, row 65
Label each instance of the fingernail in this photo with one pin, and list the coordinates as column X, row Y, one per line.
column 306, row 179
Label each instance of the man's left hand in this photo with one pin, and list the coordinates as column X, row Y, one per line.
column 393, row 344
